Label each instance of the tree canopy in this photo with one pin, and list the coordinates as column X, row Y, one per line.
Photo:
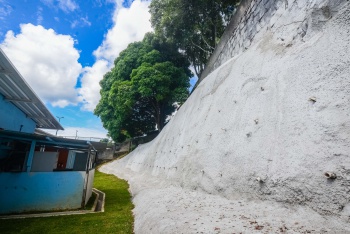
column 149, row 76
column 138, row 93
column 194, row 26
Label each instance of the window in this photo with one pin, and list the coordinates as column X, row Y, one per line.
column 13, row 155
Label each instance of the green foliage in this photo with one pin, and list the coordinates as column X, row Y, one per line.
column 117, row 218
column 104, row 140
column 194, row 26
column 138, row 93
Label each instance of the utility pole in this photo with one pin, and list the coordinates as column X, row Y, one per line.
column 76, row 134
column 59, row 120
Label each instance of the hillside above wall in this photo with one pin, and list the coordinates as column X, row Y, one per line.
column 252, row 147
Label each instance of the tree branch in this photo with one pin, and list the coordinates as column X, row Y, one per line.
column 207, row 43
column 206, row 51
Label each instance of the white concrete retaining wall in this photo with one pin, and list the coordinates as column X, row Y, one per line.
column 274, row 107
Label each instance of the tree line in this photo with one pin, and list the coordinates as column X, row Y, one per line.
column 149, row 76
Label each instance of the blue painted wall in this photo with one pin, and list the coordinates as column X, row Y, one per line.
column 32, row 191
column 11, row 118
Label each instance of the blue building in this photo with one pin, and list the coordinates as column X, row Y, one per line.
column 38, row 171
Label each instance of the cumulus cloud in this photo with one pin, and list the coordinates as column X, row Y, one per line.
column 90, row 88
column 129, row 25
column 48, row 61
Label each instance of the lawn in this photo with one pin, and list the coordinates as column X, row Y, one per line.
column 117, row 217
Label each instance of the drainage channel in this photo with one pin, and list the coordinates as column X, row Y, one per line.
column 100, row 201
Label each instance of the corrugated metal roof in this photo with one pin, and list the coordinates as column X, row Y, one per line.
column 16, row 90
column 47, row 140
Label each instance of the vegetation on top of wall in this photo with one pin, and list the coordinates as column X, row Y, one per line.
column 194, row 26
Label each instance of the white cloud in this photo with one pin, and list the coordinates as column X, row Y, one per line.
column 5, row 9
column 130, row 25
column 48, row 61
column 100, row 3
column 83, row 133
column 74, row 23
column 83, row 21
column 65, row 5
column 39, row 15
column 90, row 88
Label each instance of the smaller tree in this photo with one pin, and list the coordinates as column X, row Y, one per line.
column 138, row 93
column 160, row 86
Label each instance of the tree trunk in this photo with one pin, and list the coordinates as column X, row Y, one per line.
column 161, row 117
column 158, row 115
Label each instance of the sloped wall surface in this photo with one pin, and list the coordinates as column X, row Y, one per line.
column 253, row 16
column 266, row 125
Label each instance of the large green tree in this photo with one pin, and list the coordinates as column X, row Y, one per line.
column 194, row 26
column 138, row 93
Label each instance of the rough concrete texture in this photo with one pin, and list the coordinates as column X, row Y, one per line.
column 249, row 149
column 253, row 16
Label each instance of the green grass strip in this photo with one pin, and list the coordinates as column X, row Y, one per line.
column 117, row 218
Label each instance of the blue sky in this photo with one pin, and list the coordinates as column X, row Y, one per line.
column 87, row 21
column 63, row 47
